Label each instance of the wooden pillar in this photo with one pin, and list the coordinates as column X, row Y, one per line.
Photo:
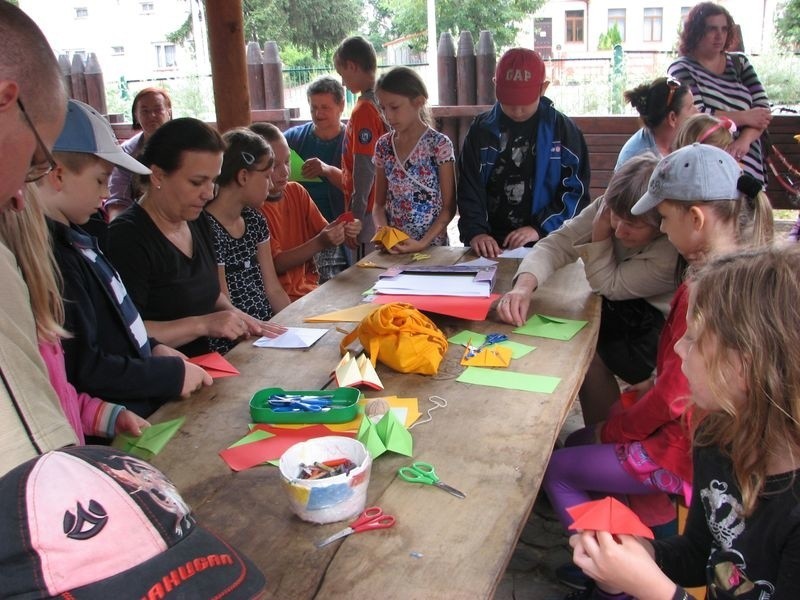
column 485, row 64
column 228, row 63
column 448, row 95
column 273, row 76
column 95, row 87
column 255, row 76
column 66, row 72
column 466, row 88
column 78, row 78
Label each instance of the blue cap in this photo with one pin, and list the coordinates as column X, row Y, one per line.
column 87, row 131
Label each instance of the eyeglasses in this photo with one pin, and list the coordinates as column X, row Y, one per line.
column 673, row 85
column 38, row 168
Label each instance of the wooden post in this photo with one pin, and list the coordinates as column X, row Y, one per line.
column 465, row 67
column 273, row 76
column 448, row 95
column 485, row 64
column 255, row 76
column 66, row 71
column 78, row 78
column 228, row 63
column 95, row 87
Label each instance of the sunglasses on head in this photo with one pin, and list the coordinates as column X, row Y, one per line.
column 673, row 85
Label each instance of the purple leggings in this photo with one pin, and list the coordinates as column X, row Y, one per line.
column 577, row 474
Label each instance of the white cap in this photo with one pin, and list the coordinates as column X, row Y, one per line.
column 696, row 173
column 87, row 131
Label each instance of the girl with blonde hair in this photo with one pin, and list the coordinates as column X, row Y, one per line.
column 25, row 233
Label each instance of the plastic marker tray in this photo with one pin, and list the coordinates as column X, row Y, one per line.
column 344, row 407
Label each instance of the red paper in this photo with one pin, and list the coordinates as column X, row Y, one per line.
column 609, row 515
column 463, row 307
column 249, row 455
column 215, row 365
column 345, row 217
column 629, row 398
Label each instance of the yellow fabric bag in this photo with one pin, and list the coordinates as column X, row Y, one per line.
column 400, row 337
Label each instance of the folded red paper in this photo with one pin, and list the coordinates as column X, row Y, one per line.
column 607, row 514
column 463, row 307
column 215, row 365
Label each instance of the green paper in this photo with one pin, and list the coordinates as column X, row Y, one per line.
column 554, row 328
column 395, row 437
column 296, row 164
column 388, row 434
column 152, row 440
column 368, row 435
column 462, row 339
column 509, row 380
column 254, row 436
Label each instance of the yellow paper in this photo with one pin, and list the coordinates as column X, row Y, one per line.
column 389, row 237
column 491, row 356
column 411, row 406
column 354, row 314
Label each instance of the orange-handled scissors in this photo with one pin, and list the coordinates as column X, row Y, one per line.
column 371, row 518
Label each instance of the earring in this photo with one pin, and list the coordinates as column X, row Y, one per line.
column 158, row 187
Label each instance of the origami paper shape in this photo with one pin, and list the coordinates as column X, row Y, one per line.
column 555, row 328
column 357, row 371
column 296, row 165
column 517, row 350
column 152, row 440
column 385, row 435
column 491, row 356
column 354, row 314
column 608, row 514
column 389, row 237
column 345, row 217
column 215, row 365
column 293, row 337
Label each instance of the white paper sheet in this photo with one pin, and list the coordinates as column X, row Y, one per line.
column 295, row 337
column 516, row 252
column 433, row 285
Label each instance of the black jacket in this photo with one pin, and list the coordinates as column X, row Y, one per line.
column 103, row 358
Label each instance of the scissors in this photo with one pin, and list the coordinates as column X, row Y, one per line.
column 422, row 472
column 491, row 339
column 371, row 518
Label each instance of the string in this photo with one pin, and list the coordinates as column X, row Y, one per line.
column 438, row 402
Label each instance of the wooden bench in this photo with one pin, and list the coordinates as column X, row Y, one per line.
column 606, row 135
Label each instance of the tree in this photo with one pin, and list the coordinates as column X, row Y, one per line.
column 405, row 17
column 300, row 23
column 787, row 23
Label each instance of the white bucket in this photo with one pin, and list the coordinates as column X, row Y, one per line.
column 333, row 498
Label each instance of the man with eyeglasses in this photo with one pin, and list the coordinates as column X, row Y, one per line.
column 32, row 109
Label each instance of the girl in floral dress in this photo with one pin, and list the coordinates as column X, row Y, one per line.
column 415, row 176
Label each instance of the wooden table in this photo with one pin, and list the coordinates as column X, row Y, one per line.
column 490, row 443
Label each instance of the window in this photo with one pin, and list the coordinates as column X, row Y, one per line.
column 147, row 7
column 81, row 12
column 117, row 50
column 165, row 56
column 652, row 24
column 616, row 17
column 574, row 19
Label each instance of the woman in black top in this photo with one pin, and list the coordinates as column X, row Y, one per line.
column 163, row 250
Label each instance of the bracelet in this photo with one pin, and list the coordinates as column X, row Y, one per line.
column 680, row 594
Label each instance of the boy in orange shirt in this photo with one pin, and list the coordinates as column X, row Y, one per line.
column 356, row 63
column 297, row 228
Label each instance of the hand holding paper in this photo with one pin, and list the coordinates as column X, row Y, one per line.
column 215, row 365
column 388, row 237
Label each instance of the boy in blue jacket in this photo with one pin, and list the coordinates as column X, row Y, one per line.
column 524, row 166
column 109, row 353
